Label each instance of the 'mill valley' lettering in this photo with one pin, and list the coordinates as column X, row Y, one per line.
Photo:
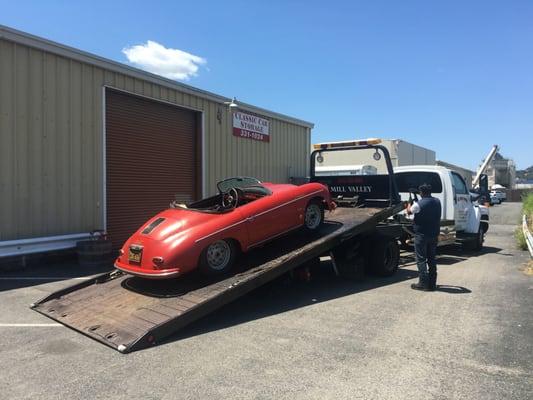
column 352, row 189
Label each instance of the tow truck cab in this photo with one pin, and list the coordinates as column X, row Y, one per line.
column 458, row 205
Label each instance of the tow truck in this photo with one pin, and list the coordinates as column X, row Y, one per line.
column 130, row 313
column 462, row 220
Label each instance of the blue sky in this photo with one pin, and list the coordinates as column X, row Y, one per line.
column 453, row 76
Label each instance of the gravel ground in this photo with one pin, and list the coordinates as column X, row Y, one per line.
column 328, row 339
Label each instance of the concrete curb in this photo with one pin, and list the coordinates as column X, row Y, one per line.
column 527, row 235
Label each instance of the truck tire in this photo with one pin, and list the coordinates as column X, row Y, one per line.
column 349, row 261
column 477, row 243
column 384, row 256
column 485, row 223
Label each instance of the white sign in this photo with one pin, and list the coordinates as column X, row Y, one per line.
column 251, row 127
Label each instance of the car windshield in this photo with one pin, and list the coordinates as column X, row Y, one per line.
column 237, row 182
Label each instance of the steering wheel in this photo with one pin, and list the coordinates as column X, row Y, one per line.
column 230, row 199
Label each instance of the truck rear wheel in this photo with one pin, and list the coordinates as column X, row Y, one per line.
column 384, row 256
column 477, row 242
column 484, row 223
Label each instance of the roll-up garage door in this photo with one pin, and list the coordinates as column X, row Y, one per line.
column 152, row 158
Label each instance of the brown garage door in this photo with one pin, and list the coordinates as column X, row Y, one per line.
column 151, row 158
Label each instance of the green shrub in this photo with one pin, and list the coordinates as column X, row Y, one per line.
column 527, row 207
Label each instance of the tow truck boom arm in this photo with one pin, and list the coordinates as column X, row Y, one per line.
column 485, row 164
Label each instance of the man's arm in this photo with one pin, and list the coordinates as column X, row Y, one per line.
column 413, row 208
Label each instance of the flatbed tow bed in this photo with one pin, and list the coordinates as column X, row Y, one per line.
column 129, row 313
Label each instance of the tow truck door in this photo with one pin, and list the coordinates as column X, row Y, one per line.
column 461, row 200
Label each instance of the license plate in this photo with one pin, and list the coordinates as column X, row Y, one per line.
column 135, row 254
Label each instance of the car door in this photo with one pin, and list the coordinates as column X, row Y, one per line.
column 268, row 217
column 461, row 200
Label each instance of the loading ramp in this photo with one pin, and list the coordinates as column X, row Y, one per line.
column 129, row 313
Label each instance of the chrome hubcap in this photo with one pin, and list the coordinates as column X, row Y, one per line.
column 218, row 255
column 312, row 216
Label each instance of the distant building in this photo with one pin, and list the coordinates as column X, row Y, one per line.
column 501, row 171
column 524, row 185
column 468, row 175
column 401, row 152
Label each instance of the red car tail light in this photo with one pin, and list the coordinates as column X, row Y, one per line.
column 158, row 261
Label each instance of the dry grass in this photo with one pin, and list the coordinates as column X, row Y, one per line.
column 520, row 238
column 528, row 268
column 527, row 209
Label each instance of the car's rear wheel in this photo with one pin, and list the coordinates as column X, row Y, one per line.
column 313, row 216
column 218, row 258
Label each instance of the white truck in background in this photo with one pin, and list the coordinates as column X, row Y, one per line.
column 462, row 219
column 346, row 170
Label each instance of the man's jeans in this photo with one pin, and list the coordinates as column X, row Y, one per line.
column 425, row 250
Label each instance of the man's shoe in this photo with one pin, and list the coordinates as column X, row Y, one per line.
column 432, row 283
column 421, row 285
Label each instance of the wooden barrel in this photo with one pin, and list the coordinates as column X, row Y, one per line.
column 95, row 253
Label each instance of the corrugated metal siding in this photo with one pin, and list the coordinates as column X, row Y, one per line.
column 401, row 152
column 357, row 157
column 51, row 142
column 50, row 173
column 411, row 154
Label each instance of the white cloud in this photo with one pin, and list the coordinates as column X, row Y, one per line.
column 170, row 63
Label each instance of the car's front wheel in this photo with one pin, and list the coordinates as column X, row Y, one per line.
column 313, row 216
column 218, row 258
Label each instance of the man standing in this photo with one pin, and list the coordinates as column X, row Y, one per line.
column 427, row 212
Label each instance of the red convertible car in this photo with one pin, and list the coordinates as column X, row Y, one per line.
column 210, row 233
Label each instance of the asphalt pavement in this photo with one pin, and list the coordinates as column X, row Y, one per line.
column 327, row 339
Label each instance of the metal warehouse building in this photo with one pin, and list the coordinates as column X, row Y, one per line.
column 87, row 143
column 401, row 153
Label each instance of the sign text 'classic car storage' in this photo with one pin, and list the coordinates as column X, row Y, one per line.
column 251, row 127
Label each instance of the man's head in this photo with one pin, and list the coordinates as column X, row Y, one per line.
column 425, row 190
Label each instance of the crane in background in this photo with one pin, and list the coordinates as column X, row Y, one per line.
column 481, row 182
column 483, row 167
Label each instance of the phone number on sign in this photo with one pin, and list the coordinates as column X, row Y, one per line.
column 251, row 135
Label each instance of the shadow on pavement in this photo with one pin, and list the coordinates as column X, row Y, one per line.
column 487, row 250
column 407, row 259
column 282, row 295
column 453, row 289
column 47, row 269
